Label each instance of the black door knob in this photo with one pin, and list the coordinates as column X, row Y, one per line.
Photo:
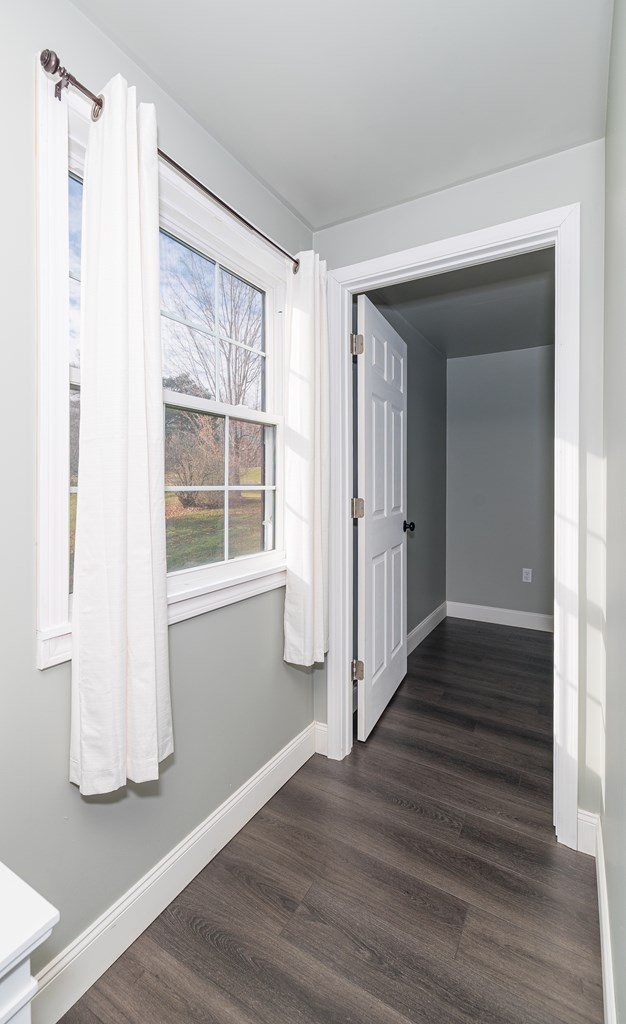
column 408, row 526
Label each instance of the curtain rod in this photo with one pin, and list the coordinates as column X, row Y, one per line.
column 50, row 62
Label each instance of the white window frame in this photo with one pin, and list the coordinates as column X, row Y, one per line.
column 62, row 130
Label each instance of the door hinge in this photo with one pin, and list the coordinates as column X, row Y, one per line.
column 356, row 344
column 358, row 670
column 357, row 508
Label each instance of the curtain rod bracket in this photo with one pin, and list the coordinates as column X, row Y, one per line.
column 63, row 83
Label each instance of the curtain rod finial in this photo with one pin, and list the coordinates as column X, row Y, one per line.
column 49, row 61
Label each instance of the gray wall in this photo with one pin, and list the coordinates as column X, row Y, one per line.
column 426, row 480
column 426, row 471
column 614, row 816
column 235, row 704
column 500, row 479
column 573, row 176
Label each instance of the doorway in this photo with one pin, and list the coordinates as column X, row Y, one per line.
column 455, row 437
column 559, row 229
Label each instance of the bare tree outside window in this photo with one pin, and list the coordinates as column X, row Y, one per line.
column 219, row 358
column 194, row 456
column 222, row 364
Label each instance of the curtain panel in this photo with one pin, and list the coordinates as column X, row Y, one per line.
column 121, row 714
column 307, row 465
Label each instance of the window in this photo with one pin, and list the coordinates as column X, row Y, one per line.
column 219, row 468
column 222, row 295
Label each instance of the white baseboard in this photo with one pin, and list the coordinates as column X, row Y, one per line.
column 321, row 738
column 500, row 616
column 608, row 983
column 78, row 966
column 588, row 824
column 423, row 628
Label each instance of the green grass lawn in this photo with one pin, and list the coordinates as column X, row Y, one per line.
column 72, row 537
column 196, row 537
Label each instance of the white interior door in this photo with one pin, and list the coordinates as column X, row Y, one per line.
column 382, row 372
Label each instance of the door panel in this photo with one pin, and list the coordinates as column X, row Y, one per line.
column 382, row 541
column 397, row 598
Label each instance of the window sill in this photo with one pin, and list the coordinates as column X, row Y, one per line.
column 187, row 602
column 54, row 646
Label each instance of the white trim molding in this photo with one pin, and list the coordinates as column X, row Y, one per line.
column 184, row 605
column 55, row 647
column 501, row 616
column 78, row 966
column 606, row 947
column 53, row 433
column 321, row 738
column 558, row 229
column 588, row 824
column 340, row 698
column 426, row 626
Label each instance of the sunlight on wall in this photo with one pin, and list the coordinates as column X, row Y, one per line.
column 595, row 606
column 565, row 632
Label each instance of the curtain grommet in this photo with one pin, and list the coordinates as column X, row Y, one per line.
column 96, row 110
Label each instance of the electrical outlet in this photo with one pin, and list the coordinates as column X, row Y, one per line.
column 527, row 575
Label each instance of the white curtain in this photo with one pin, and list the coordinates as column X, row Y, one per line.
column 307, row 465
column 121, row 714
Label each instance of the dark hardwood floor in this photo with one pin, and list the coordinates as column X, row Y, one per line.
column 418, row 880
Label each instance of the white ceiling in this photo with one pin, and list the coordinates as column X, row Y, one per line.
column 492, row 307
column 343, row 107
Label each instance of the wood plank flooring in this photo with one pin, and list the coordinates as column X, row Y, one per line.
column 418, row 880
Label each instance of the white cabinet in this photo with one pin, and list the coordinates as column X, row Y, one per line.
column 26, row 920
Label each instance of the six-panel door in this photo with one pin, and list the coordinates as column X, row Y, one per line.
column 381, row 441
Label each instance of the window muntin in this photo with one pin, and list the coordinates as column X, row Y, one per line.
column 220, row 470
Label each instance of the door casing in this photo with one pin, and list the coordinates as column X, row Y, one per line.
column 558, row 229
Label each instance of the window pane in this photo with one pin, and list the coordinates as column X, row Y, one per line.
column 75, row 194
column 73, row 498
column 74, row 430
column 241, row 311
column 188, row 360
column 187, row 283
column 74, row 323
column 194, row 449
column 241, row 377
column 250, row 522
column 250, row 454
column 194, row 526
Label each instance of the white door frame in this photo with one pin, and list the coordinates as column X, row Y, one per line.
column 560, row 229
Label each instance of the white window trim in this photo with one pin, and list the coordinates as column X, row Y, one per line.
column 62, row 128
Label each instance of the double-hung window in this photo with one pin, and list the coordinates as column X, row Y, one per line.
column 220, row 440
column 222, row 302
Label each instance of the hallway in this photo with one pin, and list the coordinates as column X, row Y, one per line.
column 418, row 880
